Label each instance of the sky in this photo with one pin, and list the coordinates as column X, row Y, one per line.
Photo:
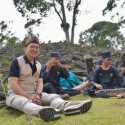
column 91, row 12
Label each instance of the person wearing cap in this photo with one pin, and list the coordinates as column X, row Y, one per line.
column 51, row 72
column 58, row 79
column 122, row 74
column 106, row 76
column 25, row 87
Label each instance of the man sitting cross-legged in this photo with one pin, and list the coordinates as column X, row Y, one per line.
column 25, row 87
column 106, row 77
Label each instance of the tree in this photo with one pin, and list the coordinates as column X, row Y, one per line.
column 3, row 28
column 5, row 33
column 103, row 34
column 7, row 38
column 12, row 44
column 116, row 7
column 29, row 7
column 72, row 6
column 41, row 7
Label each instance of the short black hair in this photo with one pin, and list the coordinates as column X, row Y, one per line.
column 106, row 55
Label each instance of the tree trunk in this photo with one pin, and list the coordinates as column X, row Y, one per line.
column 75, row 12
column 62, row 17
column 67, row 35
column 73, row 29
column 65, row 25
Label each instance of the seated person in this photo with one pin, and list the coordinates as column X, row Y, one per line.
column 106, row 76
column 51, row 72
column 58, row 79
column 25, row 88
column 71, row 82
column 122, row 74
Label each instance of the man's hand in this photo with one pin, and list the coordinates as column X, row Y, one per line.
column 98, row 86
column 35, row 99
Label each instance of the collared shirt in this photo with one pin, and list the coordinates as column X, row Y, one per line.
column 15, row 70
column 107, row 78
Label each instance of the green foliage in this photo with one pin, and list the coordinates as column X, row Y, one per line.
column 6, row 36
column 29, row 7
column 12, row 42
column 4, row 86
column 110, row 6
column 4, row 33
column 103, row 34
column 26, row 7
column 115, row 7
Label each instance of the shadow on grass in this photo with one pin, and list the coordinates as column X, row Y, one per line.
column 10, row 112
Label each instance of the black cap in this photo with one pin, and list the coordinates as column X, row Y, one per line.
column 55, row 54
column 106, row 55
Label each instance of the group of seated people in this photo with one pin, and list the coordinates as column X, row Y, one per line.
column 32, row 85
column 59, row 79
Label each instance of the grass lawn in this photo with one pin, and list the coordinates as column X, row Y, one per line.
column 109, row 111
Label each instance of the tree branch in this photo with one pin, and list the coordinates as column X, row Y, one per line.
column 57, row 11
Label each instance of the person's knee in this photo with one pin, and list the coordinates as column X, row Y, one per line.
column 15, row 100
column 9, row 100
column 49, row 97
column 54, row 96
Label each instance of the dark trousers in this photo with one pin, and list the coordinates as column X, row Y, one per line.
column 50, row 88
column 106, row 92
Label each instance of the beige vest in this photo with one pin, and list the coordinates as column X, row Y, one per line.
column 26, row 80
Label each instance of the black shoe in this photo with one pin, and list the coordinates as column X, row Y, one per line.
column 49, row 114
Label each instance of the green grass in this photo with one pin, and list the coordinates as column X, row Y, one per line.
column 103, row 112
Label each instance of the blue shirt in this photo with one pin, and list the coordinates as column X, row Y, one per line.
column 107, row 78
